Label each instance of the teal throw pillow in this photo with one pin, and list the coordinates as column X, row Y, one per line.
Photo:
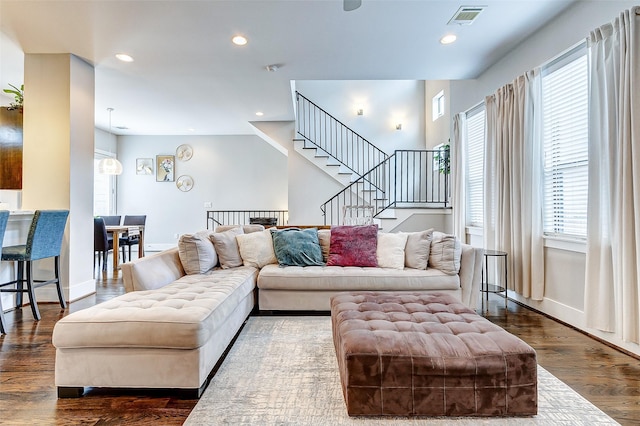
column 297, row 247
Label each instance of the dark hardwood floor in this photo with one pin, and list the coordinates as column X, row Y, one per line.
column 603, row 375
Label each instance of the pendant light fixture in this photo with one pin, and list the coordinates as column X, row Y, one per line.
column 109, row 166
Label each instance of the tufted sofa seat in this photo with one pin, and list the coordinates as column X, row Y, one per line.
column 169, row 337
column 428, row 354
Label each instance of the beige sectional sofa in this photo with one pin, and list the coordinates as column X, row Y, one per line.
column 171, row 327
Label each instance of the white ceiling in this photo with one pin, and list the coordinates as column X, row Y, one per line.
column 188, row 75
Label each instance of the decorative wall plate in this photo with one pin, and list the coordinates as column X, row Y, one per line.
column 184, row 152
column 184, row 183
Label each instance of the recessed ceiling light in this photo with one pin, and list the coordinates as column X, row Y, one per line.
column 191, row 129
column 259, row 113
column 448, row 39
column 124, row 57
column 239, row 40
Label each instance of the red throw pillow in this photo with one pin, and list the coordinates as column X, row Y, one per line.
column 353, row 246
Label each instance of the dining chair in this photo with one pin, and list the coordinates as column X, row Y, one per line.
column 111, row 220
column 131, row 240
column 4, row 217
column 101, row 243
column 43, row 241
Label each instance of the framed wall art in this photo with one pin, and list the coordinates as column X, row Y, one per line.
column 144, row 166
column 165, row 168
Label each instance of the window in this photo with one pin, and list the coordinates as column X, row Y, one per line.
column 437, row 105
column 475, row 165
column 565, row 97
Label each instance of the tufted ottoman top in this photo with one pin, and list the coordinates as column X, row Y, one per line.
column 182, row 315
column 428, row 354
column 432, row 325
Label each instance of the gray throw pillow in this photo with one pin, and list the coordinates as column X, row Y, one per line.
column 227, row 247
column 197, row 253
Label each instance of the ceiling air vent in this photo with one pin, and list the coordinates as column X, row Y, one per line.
column 466, row 15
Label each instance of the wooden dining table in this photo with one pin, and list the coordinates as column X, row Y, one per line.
column 120, row 231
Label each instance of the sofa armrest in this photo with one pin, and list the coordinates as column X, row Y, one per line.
column 470, row 275
column 154, row 271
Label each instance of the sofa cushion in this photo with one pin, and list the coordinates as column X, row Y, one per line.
column 183, row 315
column 390, row 251
column 196, row 252
column 416, row 252
column 353, row 246
column 227, row 247
column 256, row 248
column 353, row 278
column 445, row 253
column 296, row 247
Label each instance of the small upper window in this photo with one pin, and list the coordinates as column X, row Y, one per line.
column 438, row 105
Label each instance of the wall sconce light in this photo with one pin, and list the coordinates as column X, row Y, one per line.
column 399, row 126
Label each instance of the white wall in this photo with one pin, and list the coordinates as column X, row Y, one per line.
column 385, row 103
column 308, row 186
column 568, row 29
column 564, row 263
column 232, row 172
column 438, row 131
column 58, row 159
column 105, row 141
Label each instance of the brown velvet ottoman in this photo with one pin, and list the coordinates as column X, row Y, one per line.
column 419, row 354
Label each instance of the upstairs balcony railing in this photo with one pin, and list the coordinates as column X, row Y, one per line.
column 244, row 217
column 408, row 178
column 332, row 136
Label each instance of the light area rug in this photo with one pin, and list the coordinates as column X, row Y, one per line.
column 283, row 371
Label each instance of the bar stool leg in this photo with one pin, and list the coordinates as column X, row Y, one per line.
column 19, row 284
column 63, row 302
column 32, row 295
column 2, row 321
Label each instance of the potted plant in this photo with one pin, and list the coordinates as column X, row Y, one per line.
column 443, row 158
column 18, row 96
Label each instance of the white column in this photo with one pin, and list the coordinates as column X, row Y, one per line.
column 58, row 160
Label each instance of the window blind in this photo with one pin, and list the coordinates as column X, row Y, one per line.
column 475, row 163
column 565, row 97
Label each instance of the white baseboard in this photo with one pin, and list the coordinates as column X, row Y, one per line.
column 575, row 318
column 156, row 247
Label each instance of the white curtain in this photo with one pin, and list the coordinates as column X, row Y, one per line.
column 513, row 187
column 612, row 293
column 459, row 178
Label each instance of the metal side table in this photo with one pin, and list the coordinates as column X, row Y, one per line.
column 498, row 287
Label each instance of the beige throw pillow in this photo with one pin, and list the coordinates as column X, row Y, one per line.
column 390, row 250
column 324, row 236
column 227, row 247
column 416, row 252
column 247, row 229
column 256, row 249
column 197, row 253
column 445, row 254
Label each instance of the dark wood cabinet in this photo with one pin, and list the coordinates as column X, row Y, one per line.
column 10, row 148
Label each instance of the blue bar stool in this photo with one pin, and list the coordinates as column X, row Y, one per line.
column 44, row 240
column 4, row 216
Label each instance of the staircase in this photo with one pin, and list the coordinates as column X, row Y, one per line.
column 388, row 188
